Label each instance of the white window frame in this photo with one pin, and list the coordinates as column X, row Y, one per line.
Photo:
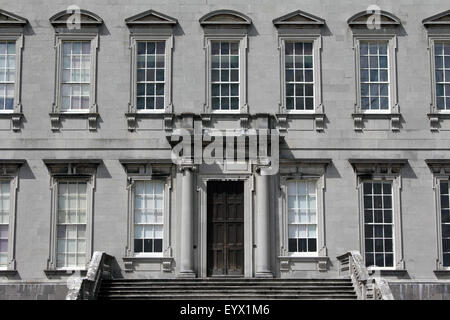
column 392, row 73
column 243, row 45
column 57, row 104
column 169, row 41
column 396, row 218
column 166, row 191
column 18, row 39
column 9, row 173
column 88, row 218
column 144, row 171
column 61, row 171
column 437, row 178
column 316, row 40
column 320, row 196
column 432, row 39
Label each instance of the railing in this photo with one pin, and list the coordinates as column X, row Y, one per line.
column 87, row 288
column 366, row 287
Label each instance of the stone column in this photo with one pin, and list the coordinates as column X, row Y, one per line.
column 262, row 259
column 187, row 223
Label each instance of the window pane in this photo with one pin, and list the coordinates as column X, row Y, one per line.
column 378, row 223
column 225, row 71
column 299, row 70
column 150, row 75
column 374, row 73
column 148, row 216
column 302, row 216
column 71, row 225
column 442, row 76
column 7, row 74
column 75, row 86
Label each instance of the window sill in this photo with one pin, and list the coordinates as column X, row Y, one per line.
column 442, row 273
column 16, row 119
column 286, row 261
column 393, row 117
column 5, row 272
column 436, row 118
column 130, row 262
column 64, row 272
column 132, row 119
column 283, row 120
column 399, row 273
column 91, row 117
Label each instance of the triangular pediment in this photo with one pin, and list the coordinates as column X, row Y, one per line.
column 150, row 17
column 439, row 19
column 8, row 18
column 365, row 17
column 298, row 18
column 86, row 18
column 225, row 17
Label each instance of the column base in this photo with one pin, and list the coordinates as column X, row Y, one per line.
column 267, row 275
column 186, row 275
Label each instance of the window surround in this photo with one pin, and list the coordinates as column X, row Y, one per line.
column 151, row 26
column 393, row 113
column 149, row 170
column 243, row 45
column 440, row 169
column 301, row 170
column 438, row 29
column 388, row 31
column 303, row 27
column 9, row 172
column 89, row 31
column 382, row 170
column 69, row 171
column 226, row 25
column 12, row 29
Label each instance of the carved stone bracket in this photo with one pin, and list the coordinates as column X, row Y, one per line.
column 131, row 121
column 436, row 119
column 245, row 119
column 320, row 122
column 282, row 124
column 55, row 120
column 358, row 120
column 16, row 120
column 92, row 121
column 168, row 123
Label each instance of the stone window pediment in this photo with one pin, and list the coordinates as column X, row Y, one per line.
column 438, row 20
column 87, row 18
column 386, row 19
column 11, row 19
column 225, row 17
column 373, row 167
column 150, row 18
column 299, row 18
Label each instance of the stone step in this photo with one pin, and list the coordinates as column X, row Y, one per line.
column 223, row 288
column 244, row 290
column 229, row 297
column 229, row 285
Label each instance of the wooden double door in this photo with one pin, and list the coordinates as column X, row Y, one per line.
column 225, row 228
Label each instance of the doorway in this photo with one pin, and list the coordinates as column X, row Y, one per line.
column 225, row 228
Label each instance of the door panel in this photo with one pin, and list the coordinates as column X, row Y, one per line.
column 225, row 228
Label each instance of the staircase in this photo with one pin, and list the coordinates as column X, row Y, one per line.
column 229, row 289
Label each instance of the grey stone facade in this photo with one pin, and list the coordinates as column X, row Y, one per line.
column 316, row 145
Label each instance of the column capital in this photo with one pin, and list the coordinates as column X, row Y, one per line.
column 262, row 164
column 189, row 167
